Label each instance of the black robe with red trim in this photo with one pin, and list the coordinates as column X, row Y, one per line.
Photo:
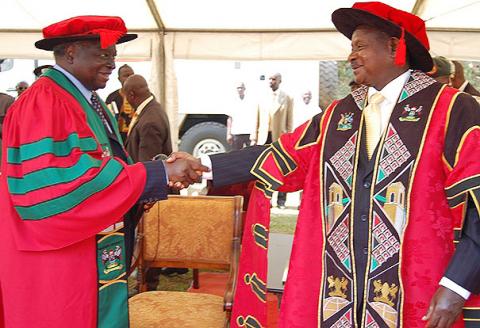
column 372, row 241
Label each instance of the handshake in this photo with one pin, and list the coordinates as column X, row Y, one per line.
column 183, row 170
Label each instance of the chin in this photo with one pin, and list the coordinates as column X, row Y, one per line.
column 100, row 85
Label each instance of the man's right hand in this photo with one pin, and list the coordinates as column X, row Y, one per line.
column 229, row 138
column 183, row 169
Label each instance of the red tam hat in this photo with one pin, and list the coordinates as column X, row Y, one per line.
column 409, row 28
column 109, row 30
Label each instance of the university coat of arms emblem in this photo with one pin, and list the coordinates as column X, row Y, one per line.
column 411, row 114
column 111, row 259
column 345, row 122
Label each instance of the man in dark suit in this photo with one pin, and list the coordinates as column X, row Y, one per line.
column 5, row 102
column 149, row 130
column 148, row 135
column 460, row 83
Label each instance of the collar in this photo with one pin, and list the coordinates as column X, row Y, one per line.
column 143, row 105
column 84, row 91
column 392, row 90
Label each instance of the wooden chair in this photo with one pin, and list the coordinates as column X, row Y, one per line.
column 202, row 232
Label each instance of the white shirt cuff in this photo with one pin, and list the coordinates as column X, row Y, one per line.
column 205, row 160
column 445, row 282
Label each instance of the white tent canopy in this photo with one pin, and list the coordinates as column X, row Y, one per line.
column 251, row 29
column 224, row 29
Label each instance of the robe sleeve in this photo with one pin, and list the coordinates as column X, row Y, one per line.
column 284, row 165
column 462, row 142
column 460, row 269
column 462, row 163
column 62, row 187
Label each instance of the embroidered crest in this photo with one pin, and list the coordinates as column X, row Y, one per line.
column 111, row 259
column 106, row 151
column 384, row 293
column 345, row 122
column 411, row 114
column 338, row 286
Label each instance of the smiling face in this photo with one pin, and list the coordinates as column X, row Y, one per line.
column 90, row 64
column 372, row 57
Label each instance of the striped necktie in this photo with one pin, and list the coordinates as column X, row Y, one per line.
column 99, row 109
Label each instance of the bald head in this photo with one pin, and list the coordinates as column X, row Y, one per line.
column 459, row 77
column 136, row 90
column 275, row 80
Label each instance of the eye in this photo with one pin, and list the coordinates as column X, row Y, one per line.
column 106, row 56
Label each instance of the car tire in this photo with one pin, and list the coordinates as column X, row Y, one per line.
column 205, row 138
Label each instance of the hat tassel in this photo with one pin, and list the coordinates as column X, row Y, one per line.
column 400, row 56
column 108, row 37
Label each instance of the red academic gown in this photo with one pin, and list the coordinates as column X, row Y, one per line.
column 58, row 190
column 425, row 170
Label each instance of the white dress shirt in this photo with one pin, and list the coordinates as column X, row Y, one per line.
column 241, row 113
column 390, row 92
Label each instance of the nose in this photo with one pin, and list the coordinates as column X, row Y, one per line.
column 351, row 56
column 111, row 63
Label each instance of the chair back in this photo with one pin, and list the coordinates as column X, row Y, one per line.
column 201, row 232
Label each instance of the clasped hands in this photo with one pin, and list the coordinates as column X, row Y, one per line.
column 183, row 170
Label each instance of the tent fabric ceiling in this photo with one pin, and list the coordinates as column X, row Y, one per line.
column 251, row 29
column 225, row 15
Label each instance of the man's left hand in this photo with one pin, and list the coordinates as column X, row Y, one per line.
column 444, row 309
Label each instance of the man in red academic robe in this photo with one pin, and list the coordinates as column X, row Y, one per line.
column 66, row 187
column 391, row 179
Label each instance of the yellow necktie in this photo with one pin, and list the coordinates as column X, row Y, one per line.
column 132, row 123
column 373, row 122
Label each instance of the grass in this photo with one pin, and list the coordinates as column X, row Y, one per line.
column 281, row 221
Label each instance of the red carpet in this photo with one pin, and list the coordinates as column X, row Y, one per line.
column 216, row 282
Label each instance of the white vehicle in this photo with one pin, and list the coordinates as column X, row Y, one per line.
column 207, row 88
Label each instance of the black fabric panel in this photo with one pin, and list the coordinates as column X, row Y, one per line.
column 465, row 113
column 313, row 131
column 284, row 158
column 464, row 185
column 464, row 268
column 234, row 167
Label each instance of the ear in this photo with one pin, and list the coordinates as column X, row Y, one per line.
column 392, row 46
column 70, row 51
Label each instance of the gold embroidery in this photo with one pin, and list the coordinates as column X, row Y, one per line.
column 337, row 286
column 385, row 293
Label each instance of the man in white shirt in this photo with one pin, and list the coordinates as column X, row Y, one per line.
column 240, row 126
column 304, row 109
